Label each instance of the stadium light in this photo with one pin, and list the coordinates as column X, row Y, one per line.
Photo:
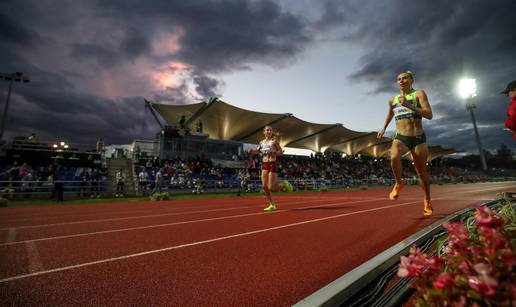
column 12, row 77
column 467, row 88
column 61, row 146
column 468, row 91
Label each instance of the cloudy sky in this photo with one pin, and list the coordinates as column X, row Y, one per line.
column 92, row 62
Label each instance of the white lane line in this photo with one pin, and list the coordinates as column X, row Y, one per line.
column 137, row 217
column 122, row 218
column 193, row 212
column 182, row 222
column 212, row 240
column 148, row 208
column 35, row 264
column 326, row 198
column 197, row 243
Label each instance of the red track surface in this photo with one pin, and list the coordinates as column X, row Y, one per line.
column 210, row 252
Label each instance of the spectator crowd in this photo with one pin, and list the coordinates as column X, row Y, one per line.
column 201, row 174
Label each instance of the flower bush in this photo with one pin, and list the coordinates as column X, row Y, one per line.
column 476, row 267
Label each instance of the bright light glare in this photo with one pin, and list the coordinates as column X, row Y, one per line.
column 467, row 88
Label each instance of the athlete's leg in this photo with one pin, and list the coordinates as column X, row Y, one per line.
column 419, row 155
column 265, row 185
column 273, row 184
column 398, row 149
column 267, row 190
column 276, row 186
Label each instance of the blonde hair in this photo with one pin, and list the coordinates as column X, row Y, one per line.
column 274, row 133
column 265, row 128
column 408, row 72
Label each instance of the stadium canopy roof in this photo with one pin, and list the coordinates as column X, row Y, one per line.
column 224, row 121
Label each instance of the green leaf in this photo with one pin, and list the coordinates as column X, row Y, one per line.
column 474, row 295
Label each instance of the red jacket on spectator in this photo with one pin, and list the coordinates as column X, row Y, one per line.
column 511, row 119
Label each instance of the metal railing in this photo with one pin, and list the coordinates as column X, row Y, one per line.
column 105, row 187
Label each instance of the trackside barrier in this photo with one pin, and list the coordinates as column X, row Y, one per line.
column 364, row 285
column 43, row 189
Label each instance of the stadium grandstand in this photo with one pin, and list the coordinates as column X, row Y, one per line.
column 202, row 147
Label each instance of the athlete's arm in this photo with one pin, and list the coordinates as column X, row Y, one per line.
column 388, row 118
column 425, row 110
column 256, row 151
column 279, row 150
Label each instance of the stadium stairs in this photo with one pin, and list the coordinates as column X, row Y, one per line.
column 113, row 165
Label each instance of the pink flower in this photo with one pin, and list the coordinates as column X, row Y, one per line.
column 412, row 265
column 474, row 250
column 483, row 268
column 485, row 217
column 464, row 267
column 458, row 234
column 403, row 270
column 444, row 281
column 494, row 236
column 409, row 267
column 485, row 285
column 433, row 263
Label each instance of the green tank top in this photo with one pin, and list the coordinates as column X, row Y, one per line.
column 400, row 112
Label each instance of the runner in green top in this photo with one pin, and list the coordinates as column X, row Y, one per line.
column 408, row 109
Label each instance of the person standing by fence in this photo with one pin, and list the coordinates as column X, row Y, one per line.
column 120, row 182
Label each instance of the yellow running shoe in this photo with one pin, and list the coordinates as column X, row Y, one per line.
column 288, row 186
column 271, row 207
column 395, row 193
column 427, row 209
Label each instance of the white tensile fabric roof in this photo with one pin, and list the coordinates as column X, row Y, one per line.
column 223, row 121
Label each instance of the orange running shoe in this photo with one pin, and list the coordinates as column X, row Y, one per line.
column 427, row 209
column 395, row 193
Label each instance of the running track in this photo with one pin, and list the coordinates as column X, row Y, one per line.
column 207, row 252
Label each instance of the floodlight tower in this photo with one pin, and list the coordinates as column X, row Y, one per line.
column 468, row 91
column 12, row 77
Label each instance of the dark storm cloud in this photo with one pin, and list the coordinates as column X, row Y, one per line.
column 134, row 44
column 100, row 54
column 440, row 41
column 70, row 48
column 205, row 84
column 12, row 32
column 220, row 35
